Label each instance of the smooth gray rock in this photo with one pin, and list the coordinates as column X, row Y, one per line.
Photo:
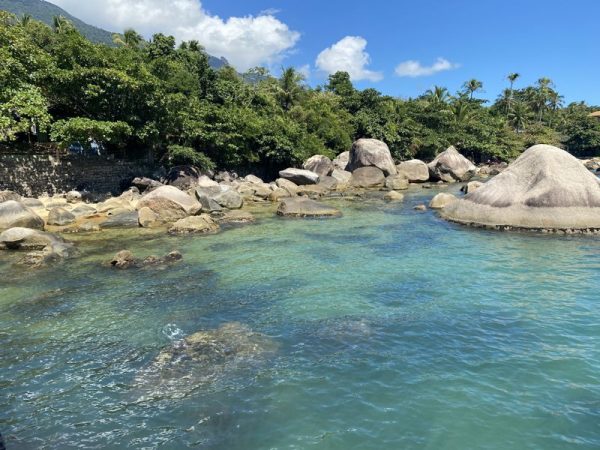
column 60, row 217
column 367, row 177
column 396, row 182
column 127, row 219
column 371, row 152
column 341, row 161
column 319, row 164
column 169, row 203
column 300, row 177
column 442, row 200
column 415, row 170
column 229, row 199
column 15, row 214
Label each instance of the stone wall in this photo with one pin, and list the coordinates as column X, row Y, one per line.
column 35, row 174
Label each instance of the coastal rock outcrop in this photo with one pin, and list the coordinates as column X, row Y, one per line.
column 169, row 203
column 371, row 153
column 300, row 177
column 545, row 189
column 319, row 164
column 451, row 166
column 306, row 207
column 15, row 214
column 183, row 177
column 396, row 182
column 415, row 170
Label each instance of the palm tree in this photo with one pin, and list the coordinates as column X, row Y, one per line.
column 512, row 77
column 518, row 116
column 59, row 23
column 473, row 86
column 437, row 95
column 25, row 20
column 289, row 87
column 543, row 95
column 461, row 111
column 130, row 38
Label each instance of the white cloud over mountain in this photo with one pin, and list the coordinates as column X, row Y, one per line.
column 245, row 41
column 415, row 69
column 349, row 55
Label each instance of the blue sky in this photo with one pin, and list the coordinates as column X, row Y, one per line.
column 475, row 39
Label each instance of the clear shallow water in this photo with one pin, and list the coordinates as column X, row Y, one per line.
column 394, row 329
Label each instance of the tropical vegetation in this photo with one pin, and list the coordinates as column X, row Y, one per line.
column 163, row 99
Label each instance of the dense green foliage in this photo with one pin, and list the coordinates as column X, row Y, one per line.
column 166, row 100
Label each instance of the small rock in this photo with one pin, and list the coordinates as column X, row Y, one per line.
column 305, row 207
column 201, row 224
column 442, row 200
column 60, row 217
column 396, row 182
column 393, row 196
column 300, row 176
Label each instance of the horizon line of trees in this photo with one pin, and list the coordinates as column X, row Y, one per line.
column 159, row 97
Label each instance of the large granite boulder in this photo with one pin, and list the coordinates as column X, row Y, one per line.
column 299, row 176
column 305, row 207
column 60, row 217
column 201, row 224
column 451, row 166
column 371, row 153
column 319, row 164
column 169, row 203
column 545, row 189
column 415, row 170
column 228, row 198
column 367, row 177
column 341, row 161
column 15, row 214
column 288, row 185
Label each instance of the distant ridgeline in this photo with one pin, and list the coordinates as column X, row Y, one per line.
column 45, row 12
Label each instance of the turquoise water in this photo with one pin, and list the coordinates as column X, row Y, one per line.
column 392, row 329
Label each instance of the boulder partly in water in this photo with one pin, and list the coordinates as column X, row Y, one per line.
column 545, row 189
column 305, row 207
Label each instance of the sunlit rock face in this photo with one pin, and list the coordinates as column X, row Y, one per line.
column 545, row 189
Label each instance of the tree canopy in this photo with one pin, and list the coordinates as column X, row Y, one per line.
column 163, row 98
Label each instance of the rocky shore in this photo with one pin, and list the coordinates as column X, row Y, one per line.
column 542, row 185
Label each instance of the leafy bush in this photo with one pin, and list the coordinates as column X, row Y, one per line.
column 178, row 155
column 81, row 129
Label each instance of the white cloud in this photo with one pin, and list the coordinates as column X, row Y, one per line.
column 348, row 55
column 245, row 41
column 304, row 71
column 414, row 69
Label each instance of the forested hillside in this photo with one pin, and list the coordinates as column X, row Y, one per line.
column 164, row 98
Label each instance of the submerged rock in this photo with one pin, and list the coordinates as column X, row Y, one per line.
column 203, row 358
column 393, row 196
column 305, row 207
column 236, row 217
column 545, row 189
column 451, row 166
column 15, row 214
column 126, row 260
column 371, row 153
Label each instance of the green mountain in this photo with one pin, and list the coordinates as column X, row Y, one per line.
column 45, row 12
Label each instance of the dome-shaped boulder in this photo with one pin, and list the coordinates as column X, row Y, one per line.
column 371, row 153
column 545, row 189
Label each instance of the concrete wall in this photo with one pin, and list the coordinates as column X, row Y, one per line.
column 38, row 173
